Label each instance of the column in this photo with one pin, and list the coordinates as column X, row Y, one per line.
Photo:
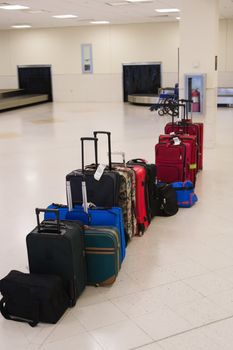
column 199, row 31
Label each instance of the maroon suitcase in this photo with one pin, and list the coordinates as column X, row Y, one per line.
column 191, row 154
column 187, row 127
column 173, row 161
column 142, row 201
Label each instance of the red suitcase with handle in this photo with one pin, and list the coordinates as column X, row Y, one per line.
column 191, row 153
column 188, row 127
column 173, row 158
column 142, row 204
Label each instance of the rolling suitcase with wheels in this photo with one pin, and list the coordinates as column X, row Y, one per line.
column 142, row 201
column 103, row 191
column 191, row 153
column 171, row 161
column 102, row 249
column 151, row 174
column 57, row 248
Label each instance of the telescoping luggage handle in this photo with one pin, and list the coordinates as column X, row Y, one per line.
column 95, row 140
column 95, row 133
column 55, row 211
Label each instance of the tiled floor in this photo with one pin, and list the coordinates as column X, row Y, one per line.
column 175, row 288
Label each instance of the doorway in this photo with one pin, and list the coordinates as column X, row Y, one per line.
column 141, row 78
column 36, row 80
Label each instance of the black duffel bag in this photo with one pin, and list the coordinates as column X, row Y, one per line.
column 32, row 298
column 165, row 197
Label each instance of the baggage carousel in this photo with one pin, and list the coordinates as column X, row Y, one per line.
column 143, row 99
column 16, row 98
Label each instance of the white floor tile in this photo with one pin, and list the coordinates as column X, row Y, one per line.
column 162, row 323
column 153, row 346
column 220, row 333
column 124, row 335
column 201, row 312
column 99, row 315
column 209, row 283
column 67, row 327
column 136, row 304
column 172, row 294
column 155, row 276
column 82, row 341
column 193, row 340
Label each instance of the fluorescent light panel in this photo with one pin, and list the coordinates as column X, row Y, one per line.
column 65, row 16
column 167, row 10
column 100, row 22
column 21, row 26
column 13, row 7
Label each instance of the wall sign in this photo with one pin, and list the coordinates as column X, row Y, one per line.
column 87, row 65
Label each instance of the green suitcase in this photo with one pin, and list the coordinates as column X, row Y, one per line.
column 102, row 247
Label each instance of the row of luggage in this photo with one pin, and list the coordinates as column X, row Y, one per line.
column 85, row 241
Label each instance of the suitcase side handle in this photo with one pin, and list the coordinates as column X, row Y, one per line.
column 108, row 133
column 55, row 211
column 95, row 140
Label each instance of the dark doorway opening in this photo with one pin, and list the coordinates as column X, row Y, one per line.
column 141, row 78
column 36, row 80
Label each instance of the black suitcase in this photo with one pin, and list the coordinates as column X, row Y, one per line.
column 151, row 174
column 32, row 298
column 103, row 192
column 57, row 247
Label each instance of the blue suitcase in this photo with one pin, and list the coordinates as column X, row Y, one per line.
column 95, row 217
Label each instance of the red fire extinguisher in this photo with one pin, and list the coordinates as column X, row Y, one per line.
column 196, row 100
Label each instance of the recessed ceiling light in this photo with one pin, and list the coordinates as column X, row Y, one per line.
column 14, row 7
column 65, row 16
column 167, row 10
column 21, row 26
column 100, row 22
column 178, row 18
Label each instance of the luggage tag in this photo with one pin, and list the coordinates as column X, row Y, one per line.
column 99, row 171
column 176, row 141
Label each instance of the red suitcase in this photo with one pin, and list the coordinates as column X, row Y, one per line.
column 142, row 204
column 173, row 161
column 187, row 127
column 191, row 154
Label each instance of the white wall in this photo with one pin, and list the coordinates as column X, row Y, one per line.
column 112, row 46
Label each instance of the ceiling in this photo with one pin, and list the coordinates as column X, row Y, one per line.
column 40, row 13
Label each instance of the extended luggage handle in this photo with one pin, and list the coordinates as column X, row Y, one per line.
column 54, row 211
column 108, row 133
column 95, row 140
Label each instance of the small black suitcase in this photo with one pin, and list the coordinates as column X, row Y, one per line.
column 57, row 247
